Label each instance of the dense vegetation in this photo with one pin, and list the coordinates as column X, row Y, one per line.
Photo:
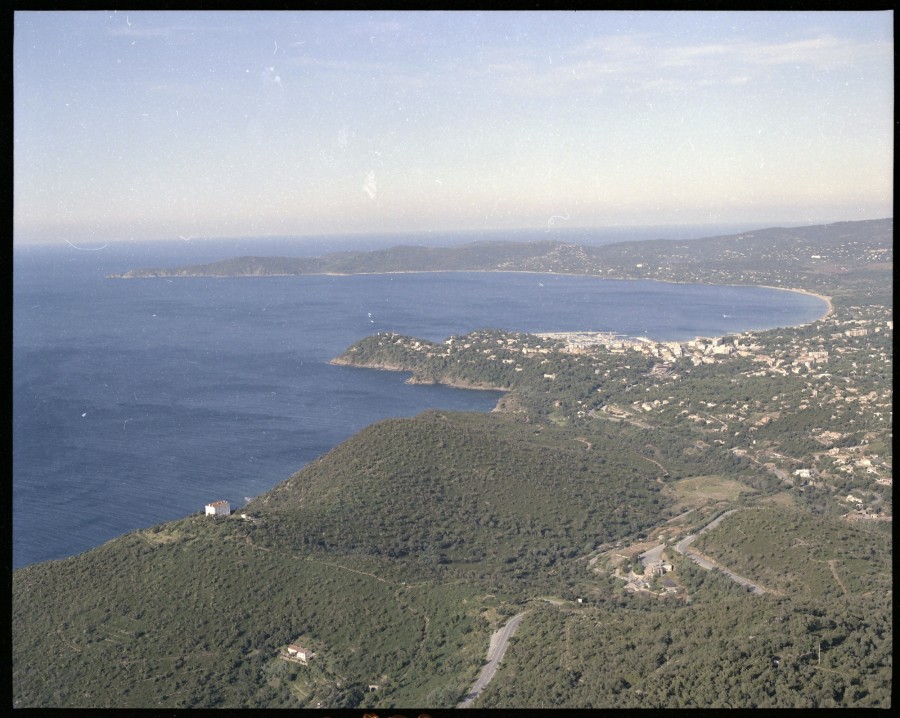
column 794, row 551
column 396, row 555
column 463, row 495
column 376, row 556
column 722, row 650
column 192, row 614
column 822, row 637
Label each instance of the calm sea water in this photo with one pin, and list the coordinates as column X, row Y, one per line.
column 136, row 402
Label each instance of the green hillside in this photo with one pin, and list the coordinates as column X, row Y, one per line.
column 466, row 495
column 378, row 557
column 722, row 650
column 626, row 496
column 394, row 556
column 821, row 636
column 793, row 551
column 194, row 615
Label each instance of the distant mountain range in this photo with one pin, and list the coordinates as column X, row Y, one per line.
column 737, row 251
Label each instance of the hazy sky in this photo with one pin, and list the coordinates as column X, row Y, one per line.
column 155, row 125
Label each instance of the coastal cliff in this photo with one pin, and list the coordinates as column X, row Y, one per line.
column 401, row 356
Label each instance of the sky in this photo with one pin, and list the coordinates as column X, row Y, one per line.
column 159, row 125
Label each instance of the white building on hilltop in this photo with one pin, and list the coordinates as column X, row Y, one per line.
column 218, row 508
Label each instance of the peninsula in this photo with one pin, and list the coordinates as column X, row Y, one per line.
column 785, row 258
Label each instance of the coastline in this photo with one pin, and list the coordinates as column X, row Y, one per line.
column 413, row 380
column 457, row 384
column 829, row 310
column 824, row 297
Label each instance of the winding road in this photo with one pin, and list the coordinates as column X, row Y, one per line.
column 496, row 649
column 500, row 639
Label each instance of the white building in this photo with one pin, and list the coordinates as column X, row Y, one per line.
column 300, row 653
column 218, row 508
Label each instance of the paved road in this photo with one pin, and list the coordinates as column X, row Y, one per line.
column 683, row 546
column 496, row 650
column 754, row 587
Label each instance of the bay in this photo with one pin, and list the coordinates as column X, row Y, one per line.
column 136, row 402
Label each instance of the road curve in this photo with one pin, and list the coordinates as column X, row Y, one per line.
column 496, row 650
column 683, row 547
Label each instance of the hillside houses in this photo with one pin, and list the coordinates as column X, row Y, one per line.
column 829, row 381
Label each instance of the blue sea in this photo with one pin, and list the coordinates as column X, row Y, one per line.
column 139, row 401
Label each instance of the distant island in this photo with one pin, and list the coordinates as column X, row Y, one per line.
column 702, row 524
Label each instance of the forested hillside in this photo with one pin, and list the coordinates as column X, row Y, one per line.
column 394, row 556
column 461, row 495
column 699, row 524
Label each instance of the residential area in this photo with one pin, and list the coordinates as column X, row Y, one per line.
column 812, row 405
